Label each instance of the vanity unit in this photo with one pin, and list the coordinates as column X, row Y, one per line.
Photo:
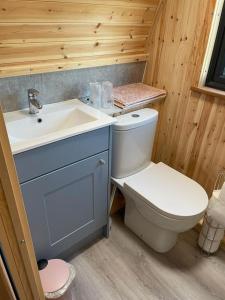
column 65, row 182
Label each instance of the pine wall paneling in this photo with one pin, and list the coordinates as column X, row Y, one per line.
column 191, row 131
column 52, row 35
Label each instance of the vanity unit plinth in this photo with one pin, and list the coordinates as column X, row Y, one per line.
column 65, row 186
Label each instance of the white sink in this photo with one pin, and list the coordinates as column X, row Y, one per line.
column 54, row 122
column 33, row 126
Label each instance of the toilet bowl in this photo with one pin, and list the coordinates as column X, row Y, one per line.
column 160, row 201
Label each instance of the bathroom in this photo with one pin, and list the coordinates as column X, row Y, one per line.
column 112, row 201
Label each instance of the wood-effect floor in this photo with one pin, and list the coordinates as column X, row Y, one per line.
column 124, row 268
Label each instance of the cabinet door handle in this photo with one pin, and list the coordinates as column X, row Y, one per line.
column 102, row 161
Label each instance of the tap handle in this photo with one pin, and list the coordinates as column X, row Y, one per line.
column 32, row 93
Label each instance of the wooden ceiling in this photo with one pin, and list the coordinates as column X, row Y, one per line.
column 52, row 35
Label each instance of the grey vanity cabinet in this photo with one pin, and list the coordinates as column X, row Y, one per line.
column 65, row 187
column 67, row 204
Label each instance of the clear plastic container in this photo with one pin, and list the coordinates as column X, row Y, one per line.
column 107, row 94
column 95, row 94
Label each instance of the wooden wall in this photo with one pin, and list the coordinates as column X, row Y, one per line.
column 191, row 131
column 52, row 35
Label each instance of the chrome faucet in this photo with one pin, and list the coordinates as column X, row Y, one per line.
column 34, row 104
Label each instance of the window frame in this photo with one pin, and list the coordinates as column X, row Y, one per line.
column 213, row 79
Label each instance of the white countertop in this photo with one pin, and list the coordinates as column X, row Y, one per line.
column 58, row 122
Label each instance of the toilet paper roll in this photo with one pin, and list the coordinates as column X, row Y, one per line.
column 211, row 233
column 208, row 245
column 216, row 208
column 212, row 230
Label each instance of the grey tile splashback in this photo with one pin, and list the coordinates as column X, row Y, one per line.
column 59, row 86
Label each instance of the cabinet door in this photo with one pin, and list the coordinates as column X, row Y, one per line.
column 67, row 205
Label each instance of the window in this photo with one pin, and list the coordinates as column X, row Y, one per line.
column 216, row 73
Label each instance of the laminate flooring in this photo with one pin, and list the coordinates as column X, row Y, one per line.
column 125, row 268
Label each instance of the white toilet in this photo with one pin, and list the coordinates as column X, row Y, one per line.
column 160, row 202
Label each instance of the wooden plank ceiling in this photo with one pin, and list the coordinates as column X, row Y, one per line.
column 52, row 35
column 191, row 131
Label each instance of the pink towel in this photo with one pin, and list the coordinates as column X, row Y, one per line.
column 130, row 94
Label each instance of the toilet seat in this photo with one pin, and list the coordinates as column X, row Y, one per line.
column 168, row 191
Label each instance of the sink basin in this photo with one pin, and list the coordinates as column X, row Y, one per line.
column 54, row 122
column 46, row 123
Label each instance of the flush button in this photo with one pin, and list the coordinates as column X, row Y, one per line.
column 135, row 116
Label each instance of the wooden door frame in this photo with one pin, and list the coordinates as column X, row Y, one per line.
column 15, row 236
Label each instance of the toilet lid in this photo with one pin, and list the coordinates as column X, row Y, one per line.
column 168, row 191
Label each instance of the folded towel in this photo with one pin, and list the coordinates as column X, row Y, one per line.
column 130, row 94
column 216, row 209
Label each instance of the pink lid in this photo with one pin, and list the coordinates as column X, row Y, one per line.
column 55, row 275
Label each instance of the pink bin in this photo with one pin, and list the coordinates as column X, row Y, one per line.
column 57, row 278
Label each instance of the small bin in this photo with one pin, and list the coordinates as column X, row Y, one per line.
column 57, row 279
